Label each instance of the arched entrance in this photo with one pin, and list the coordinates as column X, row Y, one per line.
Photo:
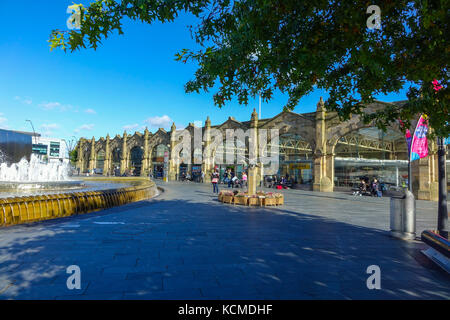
column 100, row 163
column 296, row 160
column 371, row 153
column 115, row 165
column 232, row 155
column 158, row 160
column 136, row 155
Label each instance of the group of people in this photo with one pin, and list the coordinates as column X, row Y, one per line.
column 273, row 181
column 196, row 176
column 366, row 188
column 229, row 178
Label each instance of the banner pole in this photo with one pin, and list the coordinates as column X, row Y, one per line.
column 409, row 174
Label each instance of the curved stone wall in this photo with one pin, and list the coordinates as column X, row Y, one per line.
column 44, row 207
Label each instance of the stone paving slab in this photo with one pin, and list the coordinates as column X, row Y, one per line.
column 184, row 244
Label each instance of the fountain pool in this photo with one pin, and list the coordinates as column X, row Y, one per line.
column 26, row 177
column 34, row 177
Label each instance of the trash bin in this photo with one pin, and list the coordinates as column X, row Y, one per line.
column 403, row 216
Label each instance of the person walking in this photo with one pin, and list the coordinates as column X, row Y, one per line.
column 376, row 188
column 215, row 181
column 244, row 179
column 225, row 177
column 229, row 177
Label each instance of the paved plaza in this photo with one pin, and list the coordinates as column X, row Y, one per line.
column 184, row 244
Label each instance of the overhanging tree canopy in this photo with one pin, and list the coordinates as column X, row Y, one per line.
column 253, row 47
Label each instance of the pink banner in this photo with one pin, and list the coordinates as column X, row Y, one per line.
column 408, row 137
column 419, row 145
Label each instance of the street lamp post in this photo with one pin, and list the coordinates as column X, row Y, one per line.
column 34, row 132
column 442, row 206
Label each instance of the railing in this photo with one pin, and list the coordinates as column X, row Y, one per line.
column 19, row 210
column 439, row 243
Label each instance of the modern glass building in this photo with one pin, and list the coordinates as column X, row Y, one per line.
column 14, row 146
column 50, row 149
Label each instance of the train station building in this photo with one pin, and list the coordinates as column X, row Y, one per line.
column 317, row 151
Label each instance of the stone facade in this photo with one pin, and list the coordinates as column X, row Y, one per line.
column 317, row 134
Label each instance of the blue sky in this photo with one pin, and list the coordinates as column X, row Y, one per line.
column 130, row 82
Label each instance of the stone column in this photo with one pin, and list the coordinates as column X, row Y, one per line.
column 253, row 174
column 150, row 155
column 329, row 162
column 124, row 157
column 425, row 175
column 323, row 162
column 107, row 162
column 145, row 160
column 92, row 156
column 80, row 160
column 208, row 161
column 173, row 162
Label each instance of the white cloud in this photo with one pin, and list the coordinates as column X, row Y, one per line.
column 159, row 122
column 25, row 100
column 84, row 127
column 50, row 126
column 50, row 105
column 48, row 129
column 90, row 111
column 55, row 106
column 130, row 127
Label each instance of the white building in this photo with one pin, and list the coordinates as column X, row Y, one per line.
column 53, row 149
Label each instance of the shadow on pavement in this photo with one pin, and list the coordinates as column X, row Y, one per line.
column 178, row 249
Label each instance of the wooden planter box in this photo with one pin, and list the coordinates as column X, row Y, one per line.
column 241, row 200
column 220, row 198
column 262, row 201
column 280, row 201
column 227, row 199
column 270, row 202
column 253, row 201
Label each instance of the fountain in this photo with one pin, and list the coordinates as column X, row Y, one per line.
column 33, row 190
column 34, row 175
column 22, row 171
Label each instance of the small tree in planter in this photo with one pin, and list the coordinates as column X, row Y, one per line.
column 279, row 197
column 270, row 199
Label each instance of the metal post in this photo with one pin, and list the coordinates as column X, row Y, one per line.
column 396, row 176
column 442, row 206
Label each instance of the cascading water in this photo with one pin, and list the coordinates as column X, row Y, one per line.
column 34, row 171
column 34, row 177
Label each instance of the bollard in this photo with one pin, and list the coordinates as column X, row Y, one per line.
column 403, row 216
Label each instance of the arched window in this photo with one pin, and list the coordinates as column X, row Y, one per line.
column 296, row 156
column 100, row 160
